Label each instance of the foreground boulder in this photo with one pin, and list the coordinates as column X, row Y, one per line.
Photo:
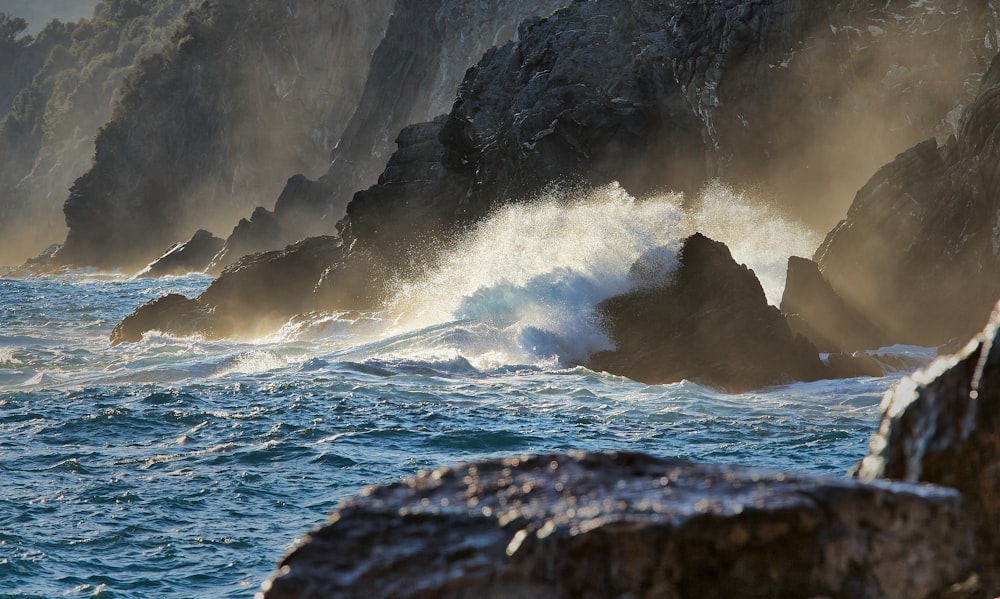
column 709, row 323
column 631, row 525
column 191, row 256
column 942, row 426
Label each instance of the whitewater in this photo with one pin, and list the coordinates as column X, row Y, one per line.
column 179, row 467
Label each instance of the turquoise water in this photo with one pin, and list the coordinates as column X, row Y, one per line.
column 180, row 468
column 186, row 468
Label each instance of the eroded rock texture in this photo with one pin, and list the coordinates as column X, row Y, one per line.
column 661, row 94
column 630, row 525
column 919, row 251
column 708, row 322
column 942, row 426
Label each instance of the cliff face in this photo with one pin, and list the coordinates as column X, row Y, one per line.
column 413, row 77
column 55, row 93
column 244, row 94
column 415, row 73
column 919, row 250
column 662, row 94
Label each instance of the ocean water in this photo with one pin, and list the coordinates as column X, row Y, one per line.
column 186, row 468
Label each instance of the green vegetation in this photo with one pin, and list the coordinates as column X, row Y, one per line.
column 56, row 89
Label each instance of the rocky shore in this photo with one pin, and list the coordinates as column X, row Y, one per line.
column 626, row 524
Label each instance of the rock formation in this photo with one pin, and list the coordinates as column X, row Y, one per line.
column 668, row 96
column 817, row 312
column 244, row 95
column 709, row 323
column 63, row 89
column 942, row 426
column 255, row 295
column 630, row 525
column 919, row 251
column 182, row 258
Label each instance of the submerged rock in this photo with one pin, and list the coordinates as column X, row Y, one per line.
column 710, row 324
column 817, row 312
column 630, row 525
column 942, row 426
column 182, row 258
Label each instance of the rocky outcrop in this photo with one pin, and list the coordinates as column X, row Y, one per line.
column 414, row 75
column 298, row 213
column 625, row 524
column 709, row 323
column 658, row 94
column 919, row 251
column 47, row 137
column 942, row 426
column 173, row 313
column 207, row 129
column 182, row 258
column 817, row 312
column 251, row 297
column 669, row 96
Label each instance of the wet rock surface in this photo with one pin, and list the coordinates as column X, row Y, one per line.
column 171, row 313
column 625, row 524
column 942, row 425
column 710, row 323
column 674, row 93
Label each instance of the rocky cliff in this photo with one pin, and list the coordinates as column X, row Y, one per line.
column 244, row 95
column 919, row 250
column 413, row 77
column 661, row 94
column 46, row 137
column 653, row 94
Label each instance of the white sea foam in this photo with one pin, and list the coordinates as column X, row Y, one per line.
column 525, row 282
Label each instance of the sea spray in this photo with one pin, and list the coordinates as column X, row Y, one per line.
column 534, row 272
column 756, row 233
column 522, row 286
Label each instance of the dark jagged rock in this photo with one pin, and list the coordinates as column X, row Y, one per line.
column 182, row 258
column 711, row 324
column 659, row 94
column 299, row 212
column 172, row 313
column 672, row 94
column 942, row 426
column 630, row 525
column 814, row 310
column 262, row 290
column 414, row 74
column 253, row 296
column 919, row 251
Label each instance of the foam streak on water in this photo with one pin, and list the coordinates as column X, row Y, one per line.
column 185, row 467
